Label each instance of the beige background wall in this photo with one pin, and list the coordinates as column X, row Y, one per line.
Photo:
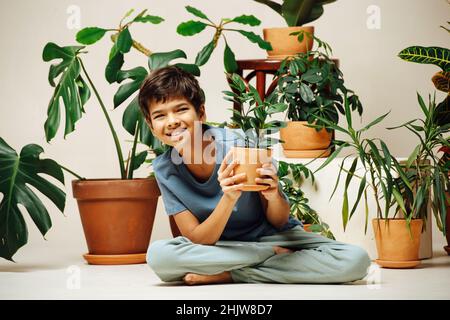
column 368, row 60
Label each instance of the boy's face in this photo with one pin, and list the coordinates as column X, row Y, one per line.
column 172, row 122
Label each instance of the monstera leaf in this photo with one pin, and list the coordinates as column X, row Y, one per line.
column 71, row 89
column 17, row 173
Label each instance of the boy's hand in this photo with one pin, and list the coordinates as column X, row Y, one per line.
column 228, row 181
column 268, row 176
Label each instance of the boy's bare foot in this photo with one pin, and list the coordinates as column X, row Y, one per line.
column 196, row 279
column 279, row 250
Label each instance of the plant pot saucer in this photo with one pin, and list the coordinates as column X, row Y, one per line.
column 398, row 264
column 447, row 248
column 254, row 187
column 115, row 259
column 320, row 153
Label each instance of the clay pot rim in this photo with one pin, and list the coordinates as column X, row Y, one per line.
column 291, row 28
column 116, row 180
column 251, row 148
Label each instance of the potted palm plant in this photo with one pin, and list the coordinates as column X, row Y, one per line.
column 117, row 214
column 380, row 174
column 256, row 129
column 296, row 13
column 312, row 85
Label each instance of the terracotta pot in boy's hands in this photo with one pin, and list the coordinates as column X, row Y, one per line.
column 251, row 159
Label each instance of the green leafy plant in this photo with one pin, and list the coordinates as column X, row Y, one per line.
column 17, row 174
column 74, row 91
column 191, row 27
column 426, row 173
column 313, row 87
column 291, row 177
column 254, row 121
column 298, row 12
column 375, row 167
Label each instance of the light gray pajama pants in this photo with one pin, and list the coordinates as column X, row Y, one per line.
column 316, row 260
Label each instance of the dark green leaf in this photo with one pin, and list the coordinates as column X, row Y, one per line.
column 196, row 12
column 162, row 59
column 17, row 173
column 189, row 28
column 188, row 67
column 137, row 75
column 204, row 54
column 71, row 89
column 250, row 20
column 256, row 39
column 149, row 18
column 306, row 93
column 113, row 67
column 124, row 41
column 229, row 60
column 90, row 35
column 427, row 55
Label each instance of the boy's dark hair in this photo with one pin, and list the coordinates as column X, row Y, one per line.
column 167, row 83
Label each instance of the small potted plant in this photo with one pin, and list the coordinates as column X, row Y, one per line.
column 191, row 27
column 312, row 86
column 256, row 129
column 291, row 176
column 296, row 14
column 444, row 163
column 117, row 214
column 397, row 233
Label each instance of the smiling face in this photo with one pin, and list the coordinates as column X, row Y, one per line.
column 173, row 122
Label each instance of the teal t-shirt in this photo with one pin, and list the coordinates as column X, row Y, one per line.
column 181, row 191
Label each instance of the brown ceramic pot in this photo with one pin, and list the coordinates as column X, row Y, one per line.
column 117, row 218
column 301, row 141
column 396, row 247
column 284, row 45
column 249, row 160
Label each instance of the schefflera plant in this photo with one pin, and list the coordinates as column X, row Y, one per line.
column 192, row 27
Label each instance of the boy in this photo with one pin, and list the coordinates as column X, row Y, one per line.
column 227, row 235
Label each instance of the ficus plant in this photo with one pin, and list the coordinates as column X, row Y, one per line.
column 193, row 27
column 254, row 118
column 375, row 167
column 297, row 12
column 313, row 87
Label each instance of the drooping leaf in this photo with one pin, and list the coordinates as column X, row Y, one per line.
column 204, row 54
column 114, row 65
column 90, row 35
column 162, row 59
column 229, row 60
column 71, row 89
column 131, row 116
column 17, row 173
column 191, row 27
column 189, row 67
column 124, row 41
column 272, row 4
column 137, row 75
column 256, row 39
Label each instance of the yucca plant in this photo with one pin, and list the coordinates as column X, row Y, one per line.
column 191, row 27
column 426, row 172
column 375, row 167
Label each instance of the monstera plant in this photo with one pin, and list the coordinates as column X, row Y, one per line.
column 191, row 27
column 17, row 173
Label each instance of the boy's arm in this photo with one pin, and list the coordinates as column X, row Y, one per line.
column 209, row 231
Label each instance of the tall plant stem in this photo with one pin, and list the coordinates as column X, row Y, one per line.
column 108, row 119
column 133, row 150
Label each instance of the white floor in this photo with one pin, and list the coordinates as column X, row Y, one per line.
column 67, row 276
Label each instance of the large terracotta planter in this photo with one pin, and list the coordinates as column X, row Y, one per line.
column 250, row 159
column 117, row 218
column 301, row 141
column 396, row 247
column 284, row 45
